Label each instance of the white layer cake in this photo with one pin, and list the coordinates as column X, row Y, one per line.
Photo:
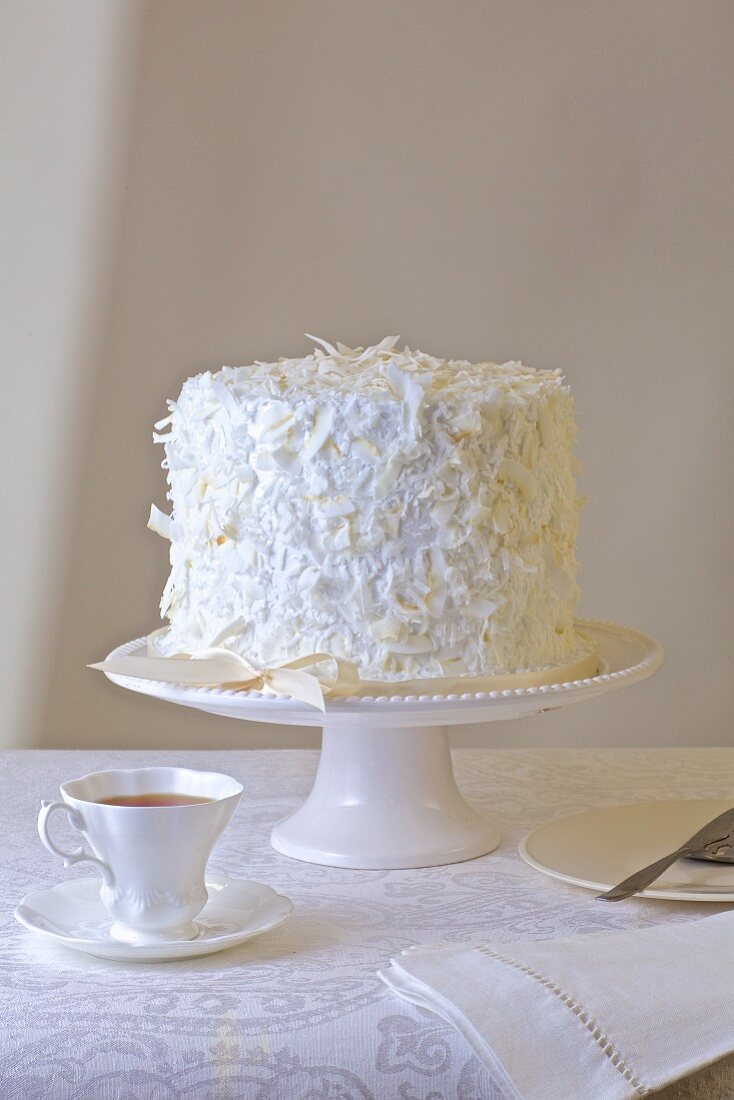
column 414, row 514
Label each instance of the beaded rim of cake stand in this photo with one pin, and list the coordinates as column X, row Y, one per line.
column 648, row 664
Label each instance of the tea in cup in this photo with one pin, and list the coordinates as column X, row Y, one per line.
column 151, row 832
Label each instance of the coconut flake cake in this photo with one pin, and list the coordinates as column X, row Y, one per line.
column 414, row 514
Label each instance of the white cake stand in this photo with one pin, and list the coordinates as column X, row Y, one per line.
column 385, row 795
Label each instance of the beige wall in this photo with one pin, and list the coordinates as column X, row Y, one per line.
column 493, row 179
column 67, row 73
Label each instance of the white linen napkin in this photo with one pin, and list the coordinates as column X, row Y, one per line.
column 604, row 1016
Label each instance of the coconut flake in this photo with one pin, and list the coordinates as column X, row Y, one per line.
column 341, row 537
column 387, row 479
column 410, row 392
column 442, row 512
column 366, row 450
column 336, row 506
column 159, row 522
column 521, row 476
column 287, row 459
column 324, row 344
column 389, row 629
column 227, row 400
column 319, row 433
column 482, row 609
column 308, row 578
column 418, row 644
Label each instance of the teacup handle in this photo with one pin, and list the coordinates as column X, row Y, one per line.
column 76, row 819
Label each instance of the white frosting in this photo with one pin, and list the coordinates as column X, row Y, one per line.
column 413, row 514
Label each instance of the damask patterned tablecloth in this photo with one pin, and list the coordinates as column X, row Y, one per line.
column 299, row 1012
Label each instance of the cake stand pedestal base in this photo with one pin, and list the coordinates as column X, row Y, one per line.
column 385, row 797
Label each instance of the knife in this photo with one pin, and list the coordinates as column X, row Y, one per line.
column 706, row 843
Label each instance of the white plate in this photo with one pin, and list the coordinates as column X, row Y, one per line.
column 600, row 848
column 72, row 914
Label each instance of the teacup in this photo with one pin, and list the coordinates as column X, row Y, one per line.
column 152, row 857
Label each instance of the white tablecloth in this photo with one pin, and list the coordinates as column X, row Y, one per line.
column 299, row 1012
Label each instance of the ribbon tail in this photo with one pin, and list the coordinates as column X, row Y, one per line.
column 299, row 685
column 173, row 670
column 347, row 676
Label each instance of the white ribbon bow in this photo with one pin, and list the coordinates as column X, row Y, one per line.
column 218, row 667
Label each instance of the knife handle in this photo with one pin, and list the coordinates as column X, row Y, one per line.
column 641, row 879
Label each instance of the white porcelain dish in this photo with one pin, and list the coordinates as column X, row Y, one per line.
column 72, row 914
column 599, row 848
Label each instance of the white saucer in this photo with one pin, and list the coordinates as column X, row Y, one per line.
column 72, row 914
column 600, row 848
